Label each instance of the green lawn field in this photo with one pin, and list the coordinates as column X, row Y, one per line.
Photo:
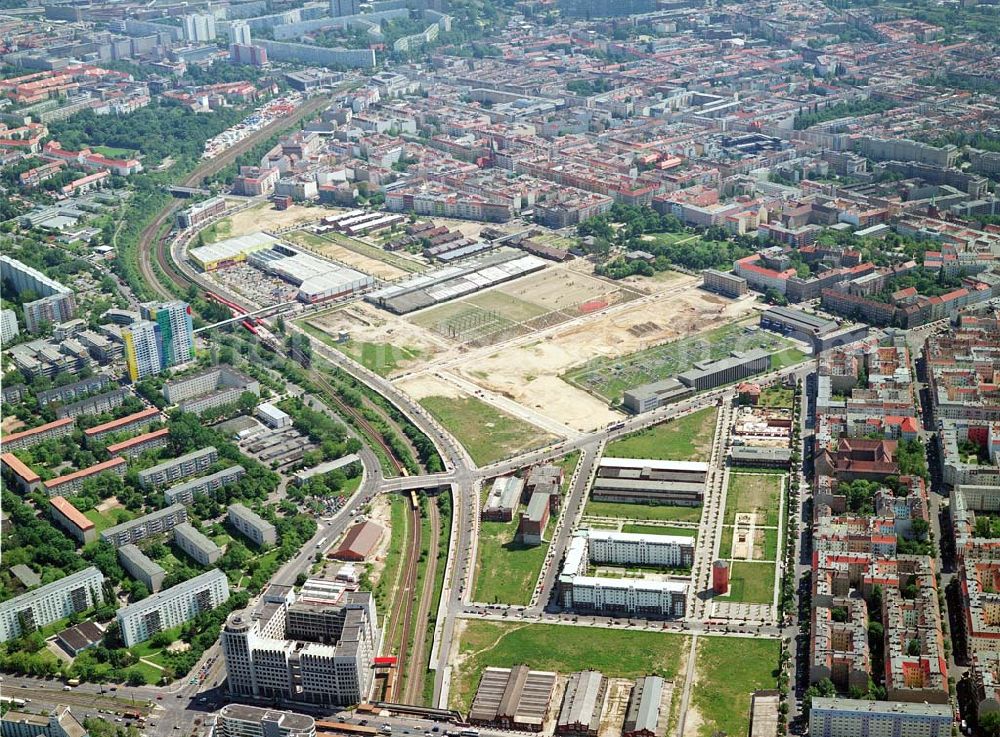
column 751, row 582
column 754, row 492
column 688, row 438
column 506, row 570
column 660, row 530
column 728, row 671
column 561, row 648
column 660, row 512
column 488, row 434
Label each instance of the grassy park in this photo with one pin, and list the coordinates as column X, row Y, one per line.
column 561, row 648
column 506, row 570
column 488, row 434
column 688, row 438
column 751, row 582
column 660, row 530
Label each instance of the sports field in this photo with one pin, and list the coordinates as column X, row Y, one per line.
column 609, row 378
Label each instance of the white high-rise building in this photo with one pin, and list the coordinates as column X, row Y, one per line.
column 263, row 661
column 142, row 356
column 239, row 33
column 171, row 607
column 74, row 593
column 199, row 27
column 8, row 325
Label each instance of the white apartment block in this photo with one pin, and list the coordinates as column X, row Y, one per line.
column 836, row 717
column 626, row 548
column 196, row 545
column 262, row 662
column 172, row 607
column 179, row 468
column 76, row 592
column 251, row 525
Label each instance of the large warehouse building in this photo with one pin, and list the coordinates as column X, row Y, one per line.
column 579, row 591
column 318, row 279
column 230, row 251
column 451, row 282
column 710, row 374
column 513, row 698
column 644, row 481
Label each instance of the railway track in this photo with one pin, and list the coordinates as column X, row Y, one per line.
column 416, row 669
column 402, row 618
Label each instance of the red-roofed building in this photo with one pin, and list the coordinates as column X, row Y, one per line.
column 72, row 482
column 140, row 444
column 89, row 160
column 359, row 543
column 126, row 424
column 760, row 277
column 35, row 435
column 72, row 520
column 19, row 473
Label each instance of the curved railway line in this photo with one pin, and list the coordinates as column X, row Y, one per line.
column 154, row 246
column 151, row 239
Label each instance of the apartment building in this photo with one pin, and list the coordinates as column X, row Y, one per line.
column 626, row 548
column 95, row 405
column 30, row 438
column 174, row 606
column 252, row 526
column 72, row 520
column 142, row 358
column 837, row 717
column 19, row 474
column 240, row 720
column 59, row 722
column 57, row 303
column 141, row 567
column 154, row 523
column 184, row 493
column 640, row 597
column 201, row 212
column 69, row 392
column 174, row 331
column 71, row 594
column 213, row 387
column 262, row 654
column 130, row 423
column 135, row 447
column 70, row 483
column 196, row 545
column 724, row 283
column 176, row 469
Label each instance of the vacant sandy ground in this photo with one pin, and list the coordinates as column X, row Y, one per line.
column 529, row 373
column 265, row 217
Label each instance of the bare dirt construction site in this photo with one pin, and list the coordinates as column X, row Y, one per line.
column 265, row 217
column 546, row 324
